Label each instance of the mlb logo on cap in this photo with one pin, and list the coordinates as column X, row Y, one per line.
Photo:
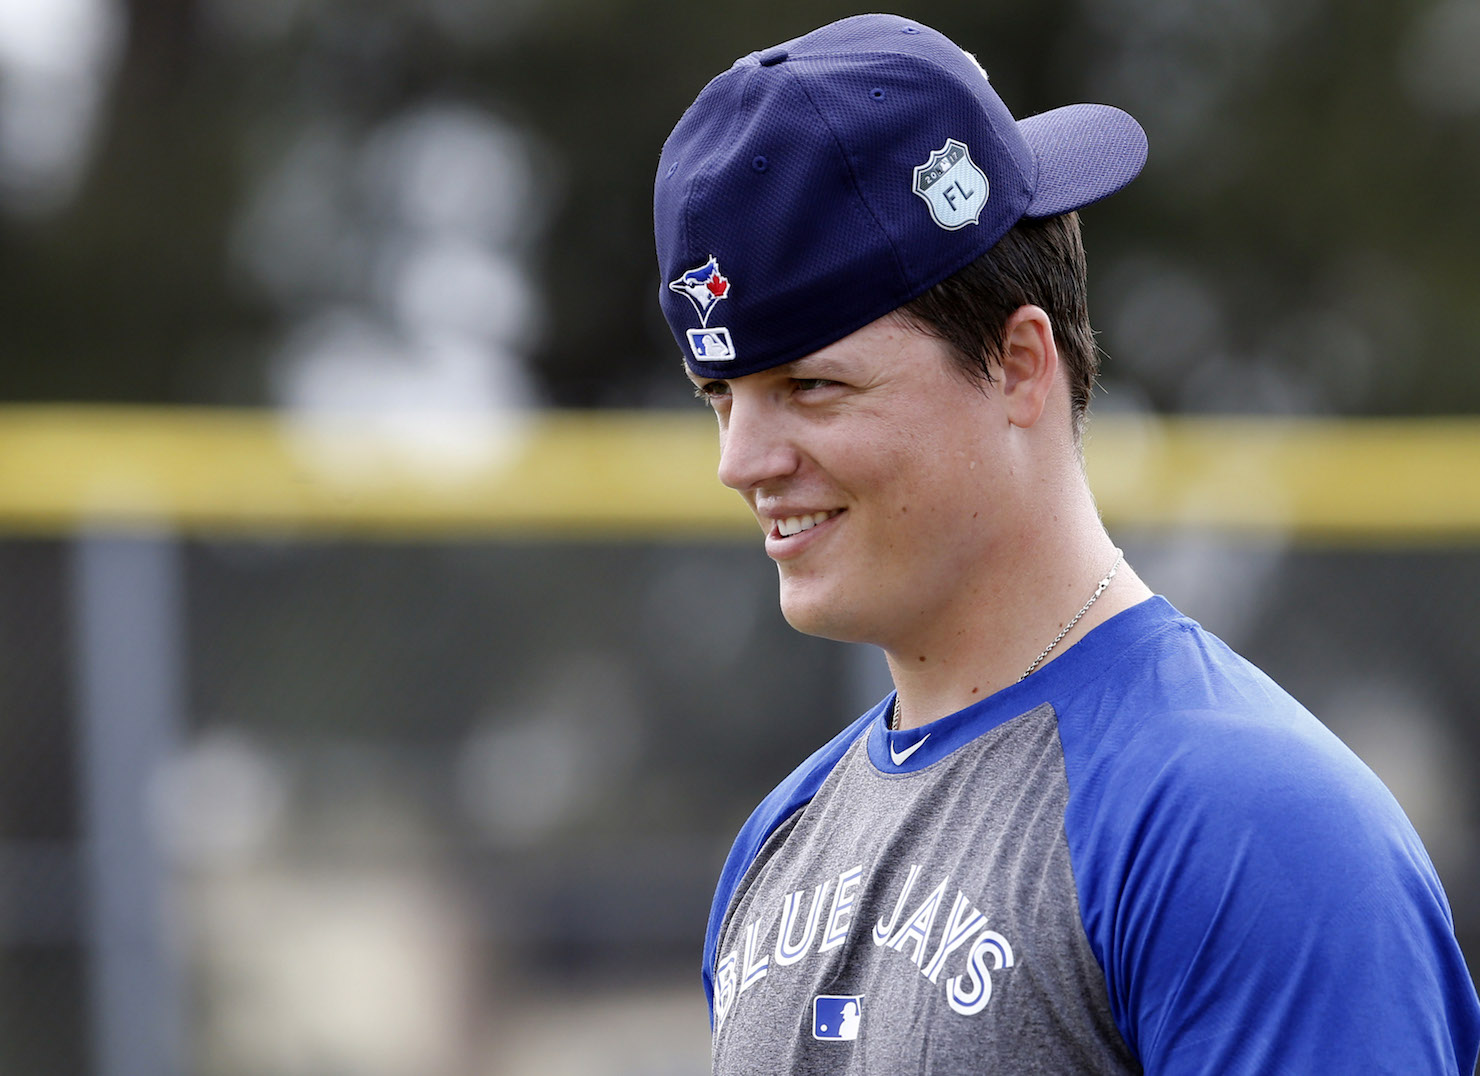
column 711, row 345
column 836, row 1016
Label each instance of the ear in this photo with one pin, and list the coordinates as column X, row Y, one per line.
column 1030, row 364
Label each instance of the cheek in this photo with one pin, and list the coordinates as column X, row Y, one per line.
column 945, row 483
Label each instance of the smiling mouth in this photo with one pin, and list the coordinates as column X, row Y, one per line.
column 796, row 524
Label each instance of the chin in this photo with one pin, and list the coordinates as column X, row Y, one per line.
column 822, row 615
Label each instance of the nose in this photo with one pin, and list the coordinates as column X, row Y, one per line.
column 754, row 445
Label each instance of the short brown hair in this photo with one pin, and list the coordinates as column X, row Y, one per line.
column 1038, row 262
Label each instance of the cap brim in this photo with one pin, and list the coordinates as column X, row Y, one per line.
column 1084, row 153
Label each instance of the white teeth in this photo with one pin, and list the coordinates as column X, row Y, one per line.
column 796, row 524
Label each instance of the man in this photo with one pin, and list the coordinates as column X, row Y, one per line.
column 1082, row 835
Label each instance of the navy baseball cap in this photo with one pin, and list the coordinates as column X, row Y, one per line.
column 816, row 186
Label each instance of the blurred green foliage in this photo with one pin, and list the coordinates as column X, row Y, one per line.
column 1302, row 239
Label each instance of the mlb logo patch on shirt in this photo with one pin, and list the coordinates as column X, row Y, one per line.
column 836, row 1016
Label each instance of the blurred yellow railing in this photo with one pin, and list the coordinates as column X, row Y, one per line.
column 650, row 475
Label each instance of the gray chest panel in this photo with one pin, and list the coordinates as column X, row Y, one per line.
column 919, row 923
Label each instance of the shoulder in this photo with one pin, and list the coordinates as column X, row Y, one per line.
column 1174, row 709
column 1234, row 860
column 1188, row 739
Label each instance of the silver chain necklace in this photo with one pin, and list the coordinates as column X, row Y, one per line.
column 1057, row 639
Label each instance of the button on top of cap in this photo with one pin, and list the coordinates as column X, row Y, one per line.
column 772, row 57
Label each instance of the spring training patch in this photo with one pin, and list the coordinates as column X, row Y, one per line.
column 952, row 185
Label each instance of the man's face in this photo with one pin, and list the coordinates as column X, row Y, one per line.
column 875, row 470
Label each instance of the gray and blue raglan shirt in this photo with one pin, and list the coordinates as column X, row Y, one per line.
column 1145, row 857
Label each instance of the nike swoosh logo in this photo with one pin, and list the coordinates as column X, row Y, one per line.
column 901, row 757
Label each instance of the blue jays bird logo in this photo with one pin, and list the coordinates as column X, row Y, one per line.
column 704, row 286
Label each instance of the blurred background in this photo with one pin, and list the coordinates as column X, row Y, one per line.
column 383, row 674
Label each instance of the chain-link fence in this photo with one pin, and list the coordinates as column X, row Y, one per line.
column 278, row 805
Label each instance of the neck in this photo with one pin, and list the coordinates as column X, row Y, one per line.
column 1003, row 620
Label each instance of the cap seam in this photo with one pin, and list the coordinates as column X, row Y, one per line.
column 899, row 264
column 688, row 202
column 702, row 174
column 949, row 75
column 1002, row 145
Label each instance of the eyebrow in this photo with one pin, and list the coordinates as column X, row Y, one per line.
column 814, row 366
column 781, row 369
column 807, row 366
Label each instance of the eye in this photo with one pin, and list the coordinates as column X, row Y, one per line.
column 709, row 391
column 807, row 384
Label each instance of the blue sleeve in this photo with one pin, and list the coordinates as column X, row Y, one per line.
column 1260, row 904
column 784, row 801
